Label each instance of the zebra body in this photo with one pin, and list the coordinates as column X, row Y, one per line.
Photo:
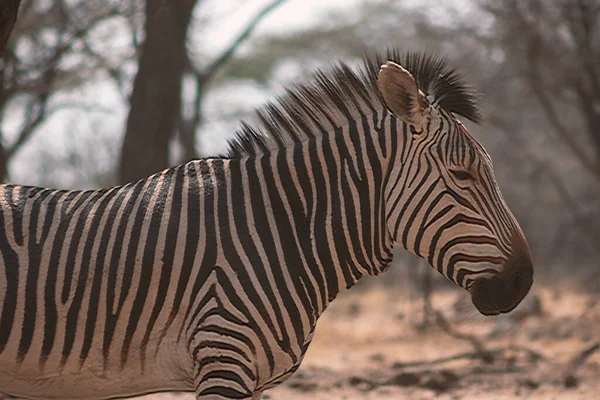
column 169, row 294
column 211, row 276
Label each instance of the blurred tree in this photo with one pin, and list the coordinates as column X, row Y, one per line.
column 156, row 94
column 38, row 62
column 537, row 63
column 556, row 46
column 156, row 113
column 202, row 76
column 547, row 177
column 554, row 49
column 8, row 17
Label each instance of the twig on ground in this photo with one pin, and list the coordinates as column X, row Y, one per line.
column 562, row 373
column 480, row 349
column 535, row 356
column 443, row 360
column 568, row 374
column 580, row 358
column 498, row 351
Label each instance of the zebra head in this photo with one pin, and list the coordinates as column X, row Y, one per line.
column 442, row 200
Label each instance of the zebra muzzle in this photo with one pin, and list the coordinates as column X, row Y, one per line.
column 502, row 293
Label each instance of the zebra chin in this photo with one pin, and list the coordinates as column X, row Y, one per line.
column 503, row 292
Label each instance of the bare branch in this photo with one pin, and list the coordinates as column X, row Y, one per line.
column 537, row 86
column 187, row 126
column 36, row 114
column 563, row 193
column 477, row 345
column 114, row 73
column 42, row 83
column 583, row 355
column 210, row 70
column 577, row 361
column 497, row 351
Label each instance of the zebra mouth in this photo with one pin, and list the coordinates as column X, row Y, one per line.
column 482, row 301
column 500, row 294
column 503, row 292
column 484, row 304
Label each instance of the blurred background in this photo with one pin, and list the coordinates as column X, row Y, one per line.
column 95, row 93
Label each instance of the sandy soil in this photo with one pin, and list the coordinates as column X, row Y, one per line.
column 365, row 340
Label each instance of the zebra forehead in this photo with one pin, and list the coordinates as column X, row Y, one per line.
column 333, row 97
column 476, row 146
column 468, row 143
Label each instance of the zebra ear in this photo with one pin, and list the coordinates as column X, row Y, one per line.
column 401, row 95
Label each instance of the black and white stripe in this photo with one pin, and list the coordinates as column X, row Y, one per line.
column 211, row 276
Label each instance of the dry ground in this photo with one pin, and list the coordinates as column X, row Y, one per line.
column 366, row 341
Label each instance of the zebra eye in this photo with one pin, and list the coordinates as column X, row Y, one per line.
column 461, row 175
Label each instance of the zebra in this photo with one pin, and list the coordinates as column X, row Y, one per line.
column 211, row 276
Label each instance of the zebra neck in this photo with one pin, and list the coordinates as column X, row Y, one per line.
column 321, row 201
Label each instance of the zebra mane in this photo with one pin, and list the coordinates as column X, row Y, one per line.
column 331, row 98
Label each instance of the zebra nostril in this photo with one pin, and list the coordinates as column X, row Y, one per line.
column 518, row 282
column 520, row 271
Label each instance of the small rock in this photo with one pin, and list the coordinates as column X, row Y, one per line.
column 571, row 382
column 441, row 381
column 361, row 383
column 304, row 386
column 529, row 383
column 405, row 379
column 300, row 375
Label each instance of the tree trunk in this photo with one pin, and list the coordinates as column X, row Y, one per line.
column 156, row 95
column 8, row 17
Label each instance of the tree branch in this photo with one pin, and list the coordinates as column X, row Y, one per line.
column 534, row 76
column 37, row 110
column 36, row 114
column 586, row 224
column 482, row 353
column 114, row 73
column 187, row 126
column 210, row 70
column 568, row 375
column 497, row 351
